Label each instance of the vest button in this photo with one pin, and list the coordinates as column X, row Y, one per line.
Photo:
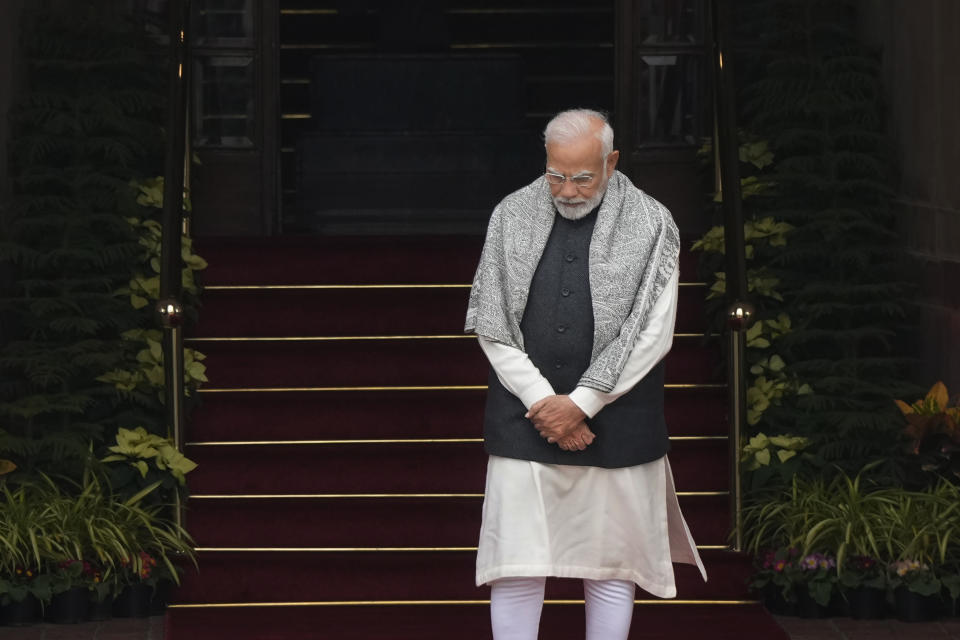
column 561, row 329
column 557, row 365
column 570, row 257
column 565, row 292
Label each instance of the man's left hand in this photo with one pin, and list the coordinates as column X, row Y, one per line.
column 555, row 417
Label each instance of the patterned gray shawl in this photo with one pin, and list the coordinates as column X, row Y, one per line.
column 633, row 253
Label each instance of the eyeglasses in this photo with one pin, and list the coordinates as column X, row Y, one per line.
column 582, row 181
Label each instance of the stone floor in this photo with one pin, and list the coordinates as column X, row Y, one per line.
column 849, row 629
column 797, row 628
column 116, row 629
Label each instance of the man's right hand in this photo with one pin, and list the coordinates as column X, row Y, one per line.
column 578, row 439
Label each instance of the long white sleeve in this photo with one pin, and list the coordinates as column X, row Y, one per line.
column 522, row 378
column 516, row 372
column 652, row 344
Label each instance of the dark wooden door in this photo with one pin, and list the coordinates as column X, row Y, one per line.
column 234, row 117
column 663, row 104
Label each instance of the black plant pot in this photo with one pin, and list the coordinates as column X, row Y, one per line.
column 807, row 607
column 19, row 614
column 68, row 607
column 775, row 603
column 161, row 596
column 98, row 610
column 866, row 603
column 133, row 601
column 913, row 607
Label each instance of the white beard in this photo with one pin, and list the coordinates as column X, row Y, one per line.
column 578, row 207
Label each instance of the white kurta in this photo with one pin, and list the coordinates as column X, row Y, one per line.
column 580, row 521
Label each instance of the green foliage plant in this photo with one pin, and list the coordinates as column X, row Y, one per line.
column 152, row 457
column 87, row 124
column 764, row 456
column 878, row 535
column 814, row 93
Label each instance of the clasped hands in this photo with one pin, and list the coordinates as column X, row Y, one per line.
column 561, row 421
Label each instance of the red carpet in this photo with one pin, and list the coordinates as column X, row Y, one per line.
column 333, row 486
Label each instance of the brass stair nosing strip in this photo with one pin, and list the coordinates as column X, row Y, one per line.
column 466, row 387
column 477, row 387
column 401, row 496
column 307, row 287
column 700, row 547
column 325, row 496
column 453, row 336
column 527, row 10
column 530, row 45
column 301, row 12
column 326, row 46
column 344, row 441
column 258, row 443
column 358, row 603
column 458, row 336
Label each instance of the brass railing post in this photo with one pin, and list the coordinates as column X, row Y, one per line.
column 739, row 314
column 169, row 308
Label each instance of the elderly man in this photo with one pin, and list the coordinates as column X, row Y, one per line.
column 574, row 304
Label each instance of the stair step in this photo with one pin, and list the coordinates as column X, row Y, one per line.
column 376, row 311
column 455, row 467
column 665, row 620
column 390, row 362
column 302, row 576
column 292, row 260
column 396, row 521
column 306, row 415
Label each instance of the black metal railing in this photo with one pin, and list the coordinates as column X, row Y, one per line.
column 739, row 312
column 169, row 305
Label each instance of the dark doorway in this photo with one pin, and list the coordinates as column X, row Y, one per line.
column 417, row 116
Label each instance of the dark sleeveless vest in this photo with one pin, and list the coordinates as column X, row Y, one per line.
column 557, row 329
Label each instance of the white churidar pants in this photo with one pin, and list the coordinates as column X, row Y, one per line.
column 516, row 604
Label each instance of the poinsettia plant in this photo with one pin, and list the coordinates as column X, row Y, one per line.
column 140, row 459
column 933, row 430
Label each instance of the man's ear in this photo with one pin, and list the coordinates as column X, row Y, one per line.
column 612, row 161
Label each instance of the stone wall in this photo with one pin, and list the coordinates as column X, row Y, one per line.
column 922, row 83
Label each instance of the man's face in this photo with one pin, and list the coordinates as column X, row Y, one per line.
column 577, row 160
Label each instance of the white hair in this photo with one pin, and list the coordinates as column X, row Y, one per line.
column 573, row 124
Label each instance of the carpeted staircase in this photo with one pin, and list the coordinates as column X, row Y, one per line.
column 340, row 474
